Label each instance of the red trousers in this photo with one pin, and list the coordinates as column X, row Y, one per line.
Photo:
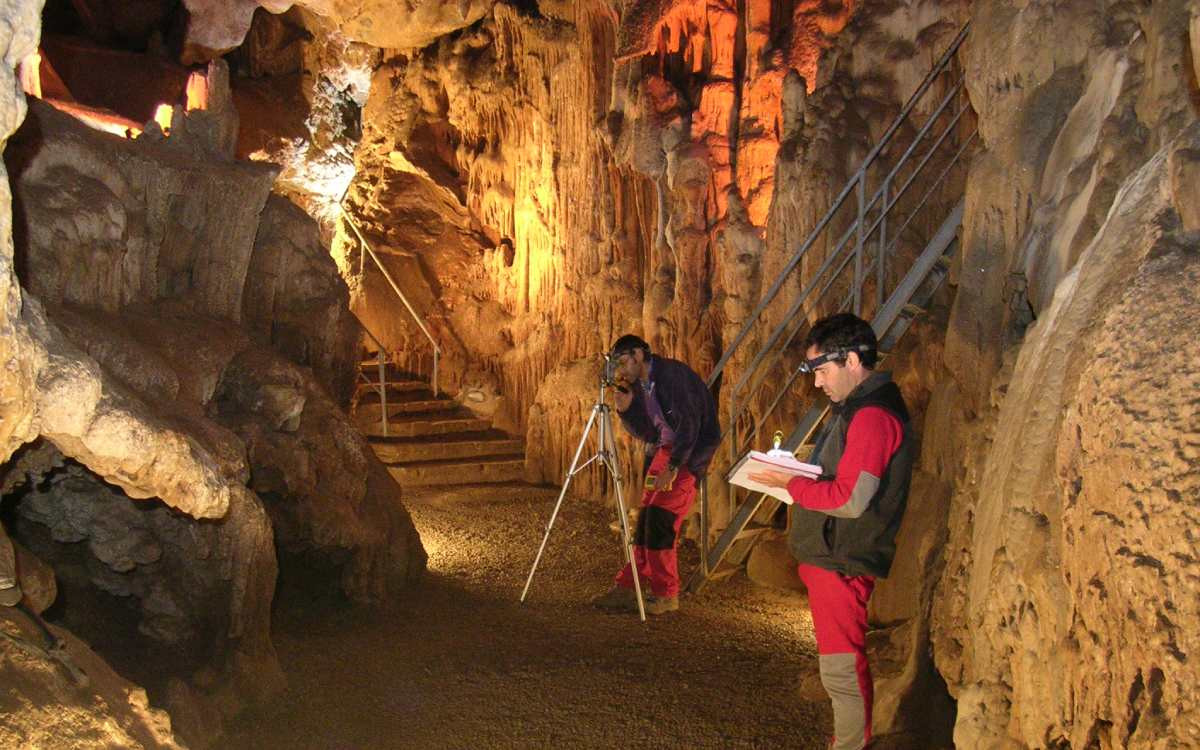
column 657, row 531
column 839, row 613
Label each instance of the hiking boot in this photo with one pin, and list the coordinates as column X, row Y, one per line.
column 618, row 597
column 660, row 605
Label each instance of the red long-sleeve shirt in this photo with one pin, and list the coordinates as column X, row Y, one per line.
column 873, row 437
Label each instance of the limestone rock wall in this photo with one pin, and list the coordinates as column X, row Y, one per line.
column 18, row 352
column 485, row 186
column 217, row 26
column 178, row 344
column 162, row 300
column 295, row 304
column 113, row 253
column 117, row 710
column 542, row 182
column 1057, row 620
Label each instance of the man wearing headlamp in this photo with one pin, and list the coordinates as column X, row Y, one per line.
column 844, row 525
column 665, row 403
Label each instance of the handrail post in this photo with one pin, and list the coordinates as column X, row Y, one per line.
column 881, row 264
column 383, row 409
column 858, row 246
column 395, row 288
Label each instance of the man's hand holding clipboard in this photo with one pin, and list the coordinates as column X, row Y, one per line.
column 771, row 472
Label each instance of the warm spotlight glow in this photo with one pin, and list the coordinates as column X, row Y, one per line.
column 163, row 115
column 98, row 119
column 197, row 91
column 30, row 73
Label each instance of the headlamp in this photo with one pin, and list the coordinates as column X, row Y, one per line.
column 837, row 355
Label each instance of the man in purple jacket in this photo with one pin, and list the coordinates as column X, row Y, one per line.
column 665, row 403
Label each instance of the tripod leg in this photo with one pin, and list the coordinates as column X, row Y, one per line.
column 608, row 443
column 637, row 582
column 566, row 483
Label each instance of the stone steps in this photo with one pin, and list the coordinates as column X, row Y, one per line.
column 432, row 440
column 399, row 410
column 460, row 471
column 452, row 446
column 397, row 387
column 442, row 423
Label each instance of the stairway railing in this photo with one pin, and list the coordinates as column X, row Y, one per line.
column 382, row 362
column 872, row 253
column 420, row 321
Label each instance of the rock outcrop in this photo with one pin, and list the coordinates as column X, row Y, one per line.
column 1056, row 620
column 68, row 696
column 166, row 355
column 217, row 26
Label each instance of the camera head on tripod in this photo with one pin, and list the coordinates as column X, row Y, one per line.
column 608, row 373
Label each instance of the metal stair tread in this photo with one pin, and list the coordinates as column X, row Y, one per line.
column 432, row 415
column 398, row 386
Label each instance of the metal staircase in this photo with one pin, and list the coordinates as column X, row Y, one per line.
column 877, row 263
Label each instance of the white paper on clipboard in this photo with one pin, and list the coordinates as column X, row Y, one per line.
column 757, row 461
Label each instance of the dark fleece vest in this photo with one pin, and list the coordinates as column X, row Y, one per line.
column 865, row 545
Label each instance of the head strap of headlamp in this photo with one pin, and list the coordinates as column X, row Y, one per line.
column 837, row 355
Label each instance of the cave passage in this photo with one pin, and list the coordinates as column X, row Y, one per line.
column 459, row 662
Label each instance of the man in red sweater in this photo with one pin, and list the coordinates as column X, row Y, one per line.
column 843, row 530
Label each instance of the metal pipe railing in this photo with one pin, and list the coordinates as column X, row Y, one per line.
column 381, row 361
column 876, row 212
column 819, row 229
column 437, row 350
column 754, row 373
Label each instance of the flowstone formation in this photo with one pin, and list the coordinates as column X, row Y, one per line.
column 1058, row 619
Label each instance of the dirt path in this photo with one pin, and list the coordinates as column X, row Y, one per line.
column 459, row 663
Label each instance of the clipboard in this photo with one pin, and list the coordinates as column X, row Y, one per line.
column 775, row 460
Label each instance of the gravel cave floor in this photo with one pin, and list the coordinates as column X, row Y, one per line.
column 458, row 662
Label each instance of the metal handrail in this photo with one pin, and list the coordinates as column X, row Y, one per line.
column 755, row 372
column 381, row 361
column 884, row 141
column 871, row 216
column 833, row 283
column 437, row 350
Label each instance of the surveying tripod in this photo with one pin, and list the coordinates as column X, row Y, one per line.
column 606, row 455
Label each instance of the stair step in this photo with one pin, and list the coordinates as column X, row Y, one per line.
column 461, row 471
column 399, row 410
column 370, row 367
column 372, row 362
column 443, row 424
column 395, row 386
column 448, row 447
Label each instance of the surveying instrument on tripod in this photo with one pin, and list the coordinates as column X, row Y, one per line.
column 606, row 452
